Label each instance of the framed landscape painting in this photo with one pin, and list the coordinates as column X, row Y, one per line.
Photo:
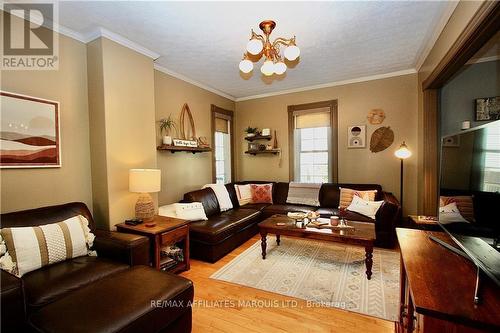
column 488, row 108
column 29, row 133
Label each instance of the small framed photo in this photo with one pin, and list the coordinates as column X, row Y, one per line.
column 356, row 136
column 487, row 108
column 266, row 131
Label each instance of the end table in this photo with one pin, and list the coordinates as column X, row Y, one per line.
column 168, row 231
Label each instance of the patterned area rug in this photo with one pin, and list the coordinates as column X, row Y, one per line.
column 331, row 274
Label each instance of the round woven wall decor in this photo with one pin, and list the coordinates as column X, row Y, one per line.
column 381, row 139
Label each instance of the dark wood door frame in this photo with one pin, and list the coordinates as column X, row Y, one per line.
column 333, row 105
column 214, row 110
column 484, row 24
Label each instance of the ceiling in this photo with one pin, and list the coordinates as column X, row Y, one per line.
column 205, row 41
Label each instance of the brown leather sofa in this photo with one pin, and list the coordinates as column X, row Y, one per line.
column 224, row 231
column 106, row 293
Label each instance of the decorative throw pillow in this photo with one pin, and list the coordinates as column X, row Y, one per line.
column 450, row 214
column 30, row 248
column 262, row 193
column 193, row 211
column 244, row 194
column 167, row 210
column 346, row 195
column 464, row 204
column 365, row 207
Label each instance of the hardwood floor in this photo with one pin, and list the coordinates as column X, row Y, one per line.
column 217, row 307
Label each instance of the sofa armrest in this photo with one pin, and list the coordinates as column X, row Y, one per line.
column 12, row 299
column 388, row 218
column 126, row 248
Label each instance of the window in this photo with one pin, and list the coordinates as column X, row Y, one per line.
column 313, row 142
column 222, row 125
column 491, row 172
column 312, row 155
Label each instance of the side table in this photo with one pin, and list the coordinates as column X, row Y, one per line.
column 423, row 222
column 168, row 231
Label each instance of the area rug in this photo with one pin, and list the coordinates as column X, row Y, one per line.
column 329, row 274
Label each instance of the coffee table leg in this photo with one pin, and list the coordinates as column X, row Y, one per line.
column 278, row 240
column 263, row 244
column 369, row 261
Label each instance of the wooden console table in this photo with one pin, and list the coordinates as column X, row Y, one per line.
column 437, row 288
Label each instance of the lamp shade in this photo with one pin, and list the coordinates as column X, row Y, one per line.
column 403, row 152
column 144, row 180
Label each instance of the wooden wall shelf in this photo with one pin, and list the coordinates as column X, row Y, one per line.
column 193, row 150
column 258, row 137
column 267, row 151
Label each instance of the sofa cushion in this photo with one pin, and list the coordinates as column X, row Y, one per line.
column 219, row 227
column 353, row 216
column 207, row 197
column 139, row 299
column 284, row 209
column 280, row 193
column 50, row 283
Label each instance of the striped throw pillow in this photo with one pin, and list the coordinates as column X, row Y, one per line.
column 346, row 195
column 244, row 194
column 30, row 248
column 464, row 204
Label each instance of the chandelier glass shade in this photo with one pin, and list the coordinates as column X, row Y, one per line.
column 260, row 46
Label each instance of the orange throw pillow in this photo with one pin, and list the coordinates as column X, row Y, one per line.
column 262, row 193
column 346, row 195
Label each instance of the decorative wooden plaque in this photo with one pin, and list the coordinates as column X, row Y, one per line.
column 381, row 139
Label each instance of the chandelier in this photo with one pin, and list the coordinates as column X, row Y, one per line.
column 259, row 46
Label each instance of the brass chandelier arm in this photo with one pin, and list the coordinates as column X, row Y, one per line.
column 257, row 36
column 284, row 41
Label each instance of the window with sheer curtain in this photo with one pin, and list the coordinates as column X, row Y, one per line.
column 491, row 171
column 222, row 128
column 313, row 143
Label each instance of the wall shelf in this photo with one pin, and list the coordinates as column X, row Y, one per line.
column 267, row 151
column 258, row 137
column 174, row 149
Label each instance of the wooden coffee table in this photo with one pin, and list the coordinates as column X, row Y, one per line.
column 362, row 234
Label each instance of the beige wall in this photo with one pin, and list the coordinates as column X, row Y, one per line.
column 460, row 18
column 184, row 172
column 397, row 96
column 30, row 188
column 127, row 128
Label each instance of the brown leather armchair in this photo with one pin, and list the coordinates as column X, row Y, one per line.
column 34, row 294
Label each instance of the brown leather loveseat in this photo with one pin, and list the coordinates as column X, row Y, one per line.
column 112, row 292
column 224, row 231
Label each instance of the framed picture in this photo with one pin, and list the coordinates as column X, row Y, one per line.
column 30, row 132
column 488, row 108
column 356, row 136
column 451, row 141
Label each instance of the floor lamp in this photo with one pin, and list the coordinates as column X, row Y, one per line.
column 402, row 153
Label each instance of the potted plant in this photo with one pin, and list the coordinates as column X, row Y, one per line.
column 167, row 125
column 251, row 131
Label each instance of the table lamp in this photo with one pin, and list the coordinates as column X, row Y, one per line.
column 402, row 153
column 144, row 181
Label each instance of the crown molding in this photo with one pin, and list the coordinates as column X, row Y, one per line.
column 331, row 84
column 420, row 59
column 193, row 82
column 117, row 38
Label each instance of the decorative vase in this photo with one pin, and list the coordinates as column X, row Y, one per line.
column 167, row 140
